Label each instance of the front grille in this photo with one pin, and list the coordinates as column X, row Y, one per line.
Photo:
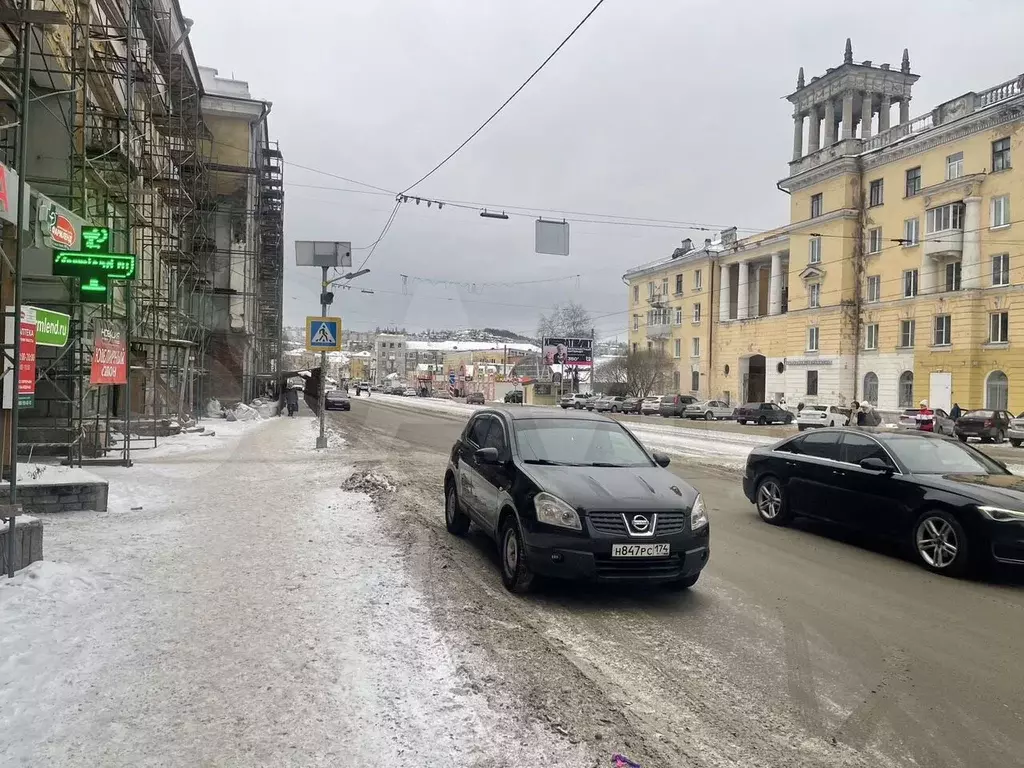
column 638, row 567
column 608, row 522
column 669, row 523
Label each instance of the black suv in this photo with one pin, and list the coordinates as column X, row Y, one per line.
column 559, row 491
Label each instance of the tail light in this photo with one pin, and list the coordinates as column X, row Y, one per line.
column 988, row 422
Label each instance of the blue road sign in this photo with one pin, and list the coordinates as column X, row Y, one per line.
column 323, row 334
column 451, row 378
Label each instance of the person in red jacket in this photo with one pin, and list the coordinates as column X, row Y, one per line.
column 925, row 417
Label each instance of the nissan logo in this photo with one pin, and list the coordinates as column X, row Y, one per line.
column 641, row 523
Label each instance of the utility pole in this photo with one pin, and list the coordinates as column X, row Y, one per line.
column 325, row 302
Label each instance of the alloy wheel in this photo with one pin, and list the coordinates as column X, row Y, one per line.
column 709, row 416
column 769, row 500
column 449, row 507
column 937, row 542
column 511, row 552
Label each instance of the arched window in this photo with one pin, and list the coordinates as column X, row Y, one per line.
column 997, row 391
column 906, row 389
column 871, row 388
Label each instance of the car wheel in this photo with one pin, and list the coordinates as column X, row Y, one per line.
column 771, row 502
column 743, row 421
column 455, row 520
column 832, row 423
column 1016, row 443
column 762, row 421
column 1000, row 436
column 679, row 585
column 986, row 439
column 515, row 573
column 800, row 427
column 962, row 438
column 709, row 416
column 941, row 544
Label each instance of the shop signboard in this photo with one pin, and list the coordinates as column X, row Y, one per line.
column 109, row 353
column 26, row 362
column 568, row 351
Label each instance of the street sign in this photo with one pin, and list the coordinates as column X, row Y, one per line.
column 321, row 253
column 451, row 377
column 51, row 328
column 323, row 334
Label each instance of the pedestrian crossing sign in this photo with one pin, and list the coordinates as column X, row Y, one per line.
column 323, row 334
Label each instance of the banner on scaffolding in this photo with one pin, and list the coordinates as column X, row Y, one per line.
column 109, row 353
column 26, row 377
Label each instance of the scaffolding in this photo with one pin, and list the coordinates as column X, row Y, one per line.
column 117, row 136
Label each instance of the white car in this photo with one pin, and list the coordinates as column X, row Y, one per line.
column 708, row 410
column 651, row 406
column 823, row 416
column 1016, row 431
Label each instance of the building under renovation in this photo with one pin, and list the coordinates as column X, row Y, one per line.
column 124, row 130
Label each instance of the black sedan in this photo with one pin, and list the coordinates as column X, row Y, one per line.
column 987, row 426
column 631, row 405
column 952, row 505
column 573, row 495
column 762, row 413
column 337, row 399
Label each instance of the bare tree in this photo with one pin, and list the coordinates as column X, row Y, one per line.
column 612, row 375
column 569, row 319
column 647, row 370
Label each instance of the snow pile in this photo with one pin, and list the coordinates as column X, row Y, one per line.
column 52, row 474
column 265, row 408
column 369, row 482
column 22, row 520
column 214, row 409
column 242, row 412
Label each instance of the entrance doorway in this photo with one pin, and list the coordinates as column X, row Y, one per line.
column 755, row 389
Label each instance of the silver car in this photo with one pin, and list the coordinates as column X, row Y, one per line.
column 1016, row 431
column 709, row 410
column 609, row 404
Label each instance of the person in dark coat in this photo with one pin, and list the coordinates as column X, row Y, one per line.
column 955, row 412
column 292, row 398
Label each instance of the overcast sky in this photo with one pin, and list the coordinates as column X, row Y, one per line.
column 658, row 109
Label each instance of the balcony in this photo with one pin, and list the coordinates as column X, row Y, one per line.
column 659, row 331
column 946, row 242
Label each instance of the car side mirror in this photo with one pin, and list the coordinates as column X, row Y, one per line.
column 876, row 464
column 661, row 459
column 487, row 456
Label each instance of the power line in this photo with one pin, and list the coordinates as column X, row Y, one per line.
column 515, row 93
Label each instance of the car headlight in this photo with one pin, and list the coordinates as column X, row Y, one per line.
column 698, row 514
column 551, row 510
column 1000, row 515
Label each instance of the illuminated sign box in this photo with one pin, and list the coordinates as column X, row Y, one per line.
column 93, row 265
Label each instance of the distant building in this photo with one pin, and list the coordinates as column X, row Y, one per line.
column 388, row 360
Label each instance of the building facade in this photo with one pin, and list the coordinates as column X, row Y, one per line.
column 897, row 278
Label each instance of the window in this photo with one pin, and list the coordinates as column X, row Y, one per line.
column 678, row 348
column 814, row 295
column 636, row 322
column 815, row 206
column 698, row 279
column 945, row 217
column 871, row 387
column 496, row 437
column 871, row 336
column 695, row 381
column 954, row 166
column 907, row 329
column 999, row 327
column 906, row 389
column 636, row 347
column 650, row 290
column 909, row 283
column 913, row 181
column 696, row 312
column 679, row 284
column 855, row 448
column 679, row 316
column 1001, row 155
column 911, row 232
column 636, row 294
column 875, row 193
column 812, row 339
column 477, row 431
column 814, row 256
column 695, row 347
column 1001, row 269
column 997, row 390
column 1001, row 211
column 943, row 331
column 675, row 381
column 874, row 288
column 812, row 382
column 664, row 286
column 953, row 272
column 875, row 240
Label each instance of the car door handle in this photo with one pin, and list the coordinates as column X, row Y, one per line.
column 839, row 472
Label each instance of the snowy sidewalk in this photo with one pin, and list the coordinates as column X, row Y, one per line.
column 250, row 613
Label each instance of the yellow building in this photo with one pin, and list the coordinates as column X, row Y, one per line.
column 898, row 277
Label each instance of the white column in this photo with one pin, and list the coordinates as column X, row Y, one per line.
column 830, row 123
column 798, row 136
column 743, row 292
column 883, row 113
column 848, row 115
column 775, row 286
column 866, row 111
column 904, row 110
column 723, row 292
column 814, row 133
column 970, row 268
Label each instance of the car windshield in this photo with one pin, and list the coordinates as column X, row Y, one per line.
column 925, row 456
column 980, row 414
column 578, row 443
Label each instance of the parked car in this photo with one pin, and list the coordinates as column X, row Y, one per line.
column 953, row 505
column 337, row 399
column 475, row 398
column 762, row 413
column 558, row 493
column 1016, row 431
column 631, row 405
column 822, row 416
column 408, row 392
column 675, row 405
column 589, row 403
column 986, row 425
column 609, row 404
column 575, row 400
column 709, row 410
column 651, row 405
column 938, row 421
column 515, row 396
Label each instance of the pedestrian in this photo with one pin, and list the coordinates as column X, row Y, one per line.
column 799, row 407
column 955, row 412
column 292, row 397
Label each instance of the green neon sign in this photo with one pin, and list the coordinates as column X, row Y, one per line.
column 86, row 265
column 95, row 239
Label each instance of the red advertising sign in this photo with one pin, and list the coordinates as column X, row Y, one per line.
column 27, row 364
column 109, row 354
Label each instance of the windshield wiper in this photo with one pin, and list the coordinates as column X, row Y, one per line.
column 546, row 462
column 603, row 464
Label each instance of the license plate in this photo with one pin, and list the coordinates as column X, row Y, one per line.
column 640, row 550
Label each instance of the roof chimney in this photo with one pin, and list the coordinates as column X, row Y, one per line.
column 729, row 236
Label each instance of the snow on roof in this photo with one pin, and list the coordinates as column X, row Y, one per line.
column 454, row 345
